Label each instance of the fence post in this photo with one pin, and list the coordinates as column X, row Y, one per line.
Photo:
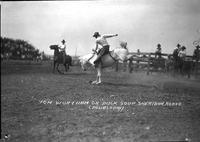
column 148, row 65
column 130, row 65
column 124, row 66
column 196, row 66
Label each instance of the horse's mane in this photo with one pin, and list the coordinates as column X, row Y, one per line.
column 53, row 46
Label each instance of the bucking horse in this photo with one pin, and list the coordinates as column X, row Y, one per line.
column 118, row 54
column 58, row 59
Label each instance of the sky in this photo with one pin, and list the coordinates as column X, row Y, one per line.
column 141, row 23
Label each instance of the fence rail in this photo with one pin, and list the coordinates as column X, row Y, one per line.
column 146, row 61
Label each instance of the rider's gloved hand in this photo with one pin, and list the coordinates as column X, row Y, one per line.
column 116, row 35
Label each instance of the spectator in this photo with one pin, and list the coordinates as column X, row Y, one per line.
column 158, row 51
column 196, row 54
column 176, row 51
column 182, row 52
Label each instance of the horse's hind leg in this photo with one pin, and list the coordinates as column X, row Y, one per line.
column 54, row 64
column 99, row 75
column 58, row 68
column 98, row 80
column 66, row 67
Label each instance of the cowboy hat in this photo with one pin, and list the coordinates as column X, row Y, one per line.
column 183, row 47
column 96, row 34
column 158, row 46
column 178, row 45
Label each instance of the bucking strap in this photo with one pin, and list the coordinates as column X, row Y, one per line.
column 112, row 57
column 91, row 57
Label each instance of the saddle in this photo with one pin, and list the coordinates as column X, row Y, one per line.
column 108, row 58
column 59, row 56
column 108, row 53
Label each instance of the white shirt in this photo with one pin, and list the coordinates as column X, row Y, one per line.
column 182, row 53
column 159, row 50
column 62, row 46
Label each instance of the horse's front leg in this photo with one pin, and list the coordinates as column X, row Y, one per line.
column 54, row 64
column 66, row 67
column 98, row 80
column 95, row 82
column 99, row 75
column 58, row 68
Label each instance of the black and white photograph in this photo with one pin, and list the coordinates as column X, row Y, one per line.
column 100, row 71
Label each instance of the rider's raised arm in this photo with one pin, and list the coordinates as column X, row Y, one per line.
column 109, row 35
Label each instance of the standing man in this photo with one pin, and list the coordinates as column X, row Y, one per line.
column 182, row 53
column 62, row 48
column 196, row 54
column 176, row 51
column 158, row 51
column 196, row 57
column 104, row 46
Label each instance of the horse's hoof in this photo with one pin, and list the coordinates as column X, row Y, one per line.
column 98, row 83
column 94, row 82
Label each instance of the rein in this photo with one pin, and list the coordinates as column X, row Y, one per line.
column 92, row 55
column 112, row 57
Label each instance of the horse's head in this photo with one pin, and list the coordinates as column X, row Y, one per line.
column 53, row 47
column 85, row 61
column 83, row 64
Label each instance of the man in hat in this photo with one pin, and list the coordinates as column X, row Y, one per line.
column 158, row 51
column 176, row 51
column 62, row 48
column 104, row 46
column 182, row 52
column 196, row 54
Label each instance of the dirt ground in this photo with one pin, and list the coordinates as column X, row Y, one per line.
column 39, row 106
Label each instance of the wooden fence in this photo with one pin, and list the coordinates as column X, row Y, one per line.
column 146, row 61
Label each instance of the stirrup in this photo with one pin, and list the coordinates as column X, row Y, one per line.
column 96, row 61
column 96, row 65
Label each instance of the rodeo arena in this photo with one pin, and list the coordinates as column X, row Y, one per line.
column 118, row 94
